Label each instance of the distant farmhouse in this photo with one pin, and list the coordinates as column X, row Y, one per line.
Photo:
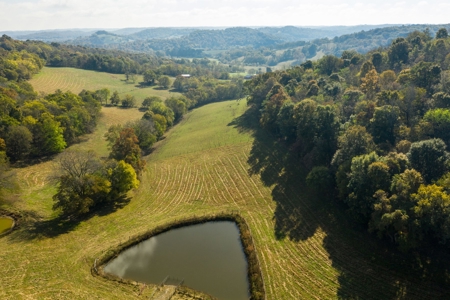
column 186, row 75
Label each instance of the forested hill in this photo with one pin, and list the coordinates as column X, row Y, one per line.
column 293, row 33
column 364, row 41
column 373, row 131
column 286, row 33
column 205, row 39
column 264, row 46
column 300, row 51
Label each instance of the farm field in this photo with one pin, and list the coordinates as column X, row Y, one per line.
column 75, row 80
column 215, row 160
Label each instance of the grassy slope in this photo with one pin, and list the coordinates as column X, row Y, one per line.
column 212, row 161
column 75, row 80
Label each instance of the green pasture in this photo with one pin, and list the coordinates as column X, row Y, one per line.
column 75, row 80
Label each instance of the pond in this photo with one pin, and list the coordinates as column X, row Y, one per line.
column 209, row 257
column 5, row 224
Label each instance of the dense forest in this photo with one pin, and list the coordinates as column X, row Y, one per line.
column 372, row 130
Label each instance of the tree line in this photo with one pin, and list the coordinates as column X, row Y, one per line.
column 111, row 61
column 373, row 131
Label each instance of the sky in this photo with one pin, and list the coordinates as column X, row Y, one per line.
column 65, row 14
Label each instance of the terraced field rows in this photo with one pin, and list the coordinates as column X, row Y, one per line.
column 204, row 166
column 75, row 80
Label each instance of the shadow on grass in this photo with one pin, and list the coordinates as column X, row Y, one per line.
column 32, row 226
column 367, row 268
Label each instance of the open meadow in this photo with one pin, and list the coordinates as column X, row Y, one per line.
column 215, row 160
column 75, row 80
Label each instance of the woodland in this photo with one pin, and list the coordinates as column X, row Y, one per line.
column 373, row 131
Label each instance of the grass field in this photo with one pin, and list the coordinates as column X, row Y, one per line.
column 75, row 80
column 213, row 161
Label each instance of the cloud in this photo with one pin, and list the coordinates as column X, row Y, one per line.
column 49, row 14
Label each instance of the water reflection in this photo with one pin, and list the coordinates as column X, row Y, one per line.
column 209, row 257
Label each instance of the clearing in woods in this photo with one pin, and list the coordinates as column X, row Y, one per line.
column 213, row 161
column 75, row 80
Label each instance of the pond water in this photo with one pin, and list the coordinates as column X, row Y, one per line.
column 209, row 257
column 5, row 224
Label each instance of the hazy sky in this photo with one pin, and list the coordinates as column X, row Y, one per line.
column 58, row 14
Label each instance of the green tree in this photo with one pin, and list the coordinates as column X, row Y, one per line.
column 80, row 183
column 128, row 101
column 150, row 100
column 355, row 141
column 7, row 179
column 18, row 141
column 164, row 82
column 329, row 64
column 433, row 211
column 442, row 33
column 349, row 100
column 47, row 136
column 320, row 179
column 123, row 178
column 159, row 108
column 103, row 95
column 398, row 52
column 426, row 75
column 377, row 61
column 271, row 107
column 368, row 174
column 149, row 77
column 326, row 134
column 429, row 157
column 159, row 122
column 365, row 68
column 286, row 122
column 440, row 121
column 384, row 124
column 145, row 132
column 115, row 98
column 177, row 106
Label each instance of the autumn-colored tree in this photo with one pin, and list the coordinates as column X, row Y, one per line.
column 369, row 84
column 126, row 148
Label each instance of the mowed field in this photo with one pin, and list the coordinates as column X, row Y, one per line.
column 215, row 160
column 75, row 80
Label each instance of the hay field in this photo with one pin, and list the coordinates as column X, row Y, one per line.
column 215, row 160
column 75, row 80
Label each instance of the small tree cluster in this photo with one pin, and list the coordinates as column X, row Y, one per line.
column 85, row 182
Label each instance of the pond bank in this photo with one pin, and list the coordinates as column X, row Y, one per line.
column 253, row 272
column 7, row 224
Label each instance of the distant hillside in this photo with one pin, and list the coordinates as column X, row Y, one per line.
column 268, row 46
column 49, row 35
column 166, row 39
column 299, row 51
column 365, row 41
column 161, row 33
column 101, row 38
column 293, row 33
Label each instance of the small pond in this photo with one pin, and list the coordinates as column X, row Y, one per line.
column 5, row 224
column 209, row 257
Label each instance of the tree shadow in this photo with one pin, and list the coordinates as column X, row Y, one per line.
column 32, row 226
column 160, row 88
column 368, row 268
